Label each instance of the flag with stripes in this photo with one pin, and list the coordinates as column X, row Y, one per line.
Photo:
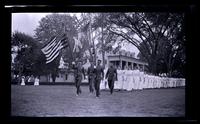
column 53, row 48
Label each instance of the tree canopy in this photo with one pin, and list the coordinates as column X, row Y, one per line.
column 158, row 36
column 151, row 33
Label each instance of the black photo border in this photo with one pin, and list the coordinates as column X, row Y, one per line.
column 188, row 8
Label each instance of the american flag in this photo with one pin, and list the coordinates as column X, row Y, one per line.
column 54, row 47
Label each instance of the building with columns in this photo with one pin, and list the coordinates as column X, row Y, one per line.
column 123, row 60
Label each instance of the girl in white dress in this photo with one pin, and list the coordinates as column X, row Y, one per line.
column 147, row 81
column 183, row 82
column 137, row 77
column 130, row 80
column 154, row 82
column 116, row 83
column 120, row 79
column 174, row 83
column 144, row 81
column 23, row 80
column 36, row 81
column 141, row 80
column 159, row 82
column 151, row 81
column 134, row 79
column 126, row 80
column 123, row 79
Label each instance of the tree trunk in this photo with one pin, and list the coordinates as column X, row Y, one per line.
column 153, row 64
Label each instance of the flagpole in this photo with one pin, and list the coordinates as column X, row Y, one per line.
column 92, row 41
column 69, row 43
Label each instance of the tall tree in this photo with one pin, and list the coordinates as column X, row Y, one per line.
column 105, row 38
column 27, row 53
column 147, row 31
column 54, row 24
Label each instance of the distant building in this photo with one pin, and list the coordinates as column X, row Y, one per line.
column 123, row 59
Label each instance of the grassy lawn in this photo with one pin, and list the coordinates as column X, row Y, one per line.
column 60, row 100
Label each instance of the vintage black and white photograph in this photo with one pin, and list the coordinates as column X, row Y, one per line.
column 98, row 64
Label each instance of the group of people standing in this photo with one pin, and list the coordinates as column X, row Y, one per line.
column 137, row 80
column 121, row 79
column 95, row 77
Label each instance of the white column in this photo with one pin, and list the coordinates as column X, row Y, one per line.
column 132, row 65
column 126, row 64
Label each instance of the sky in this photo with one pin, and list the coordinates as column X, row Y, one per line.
column 27, row 23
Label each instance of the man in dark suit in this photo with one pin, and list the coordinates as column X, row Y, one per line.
column 78, row 71
column 111, row 75
column 99, row 75
column 91, row 77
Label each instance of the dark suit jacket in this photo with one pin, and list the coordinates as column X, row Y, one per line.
column 78, row 71
column 91, row 72
column 99, row 72
column 111, row 74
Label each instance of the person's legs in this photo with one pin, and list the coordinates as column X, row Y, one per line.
column 98, row 88
column 109, row 83
column 95, row 86
column 79, row 85
column 90, row 84
column 76, row 84
column 112, row 85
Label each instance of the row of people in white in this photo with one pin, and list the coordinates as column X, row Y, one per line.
column 136, row 80
column 36, row 81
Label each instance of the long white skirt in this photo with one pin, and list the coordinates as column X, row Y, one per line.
column 129, row 83
column 136, row 82
column 104, row 84
column 120, row 82
column 125, row 83
column 117, row 84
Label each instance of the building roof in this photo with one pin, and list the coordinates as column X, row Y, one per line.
column 117, row 57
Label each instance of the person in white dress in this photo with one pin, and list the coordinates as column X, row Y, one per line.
column 174, row 83
column 126, row 80
column 104, row 83
column 140, row 80
column 137, row 79
column 159, row 82
column 130, row 80
column 151, row 81
column 154, row 82
column 120, row 79
column 117, row 82
column 123, row 79
column 36, row 83
column 23, row 80
column 147, row 80
column 144, row 81
column 183, row 82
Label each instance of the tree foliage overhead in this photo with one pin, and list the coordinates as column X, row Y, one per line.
column 150, row 33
